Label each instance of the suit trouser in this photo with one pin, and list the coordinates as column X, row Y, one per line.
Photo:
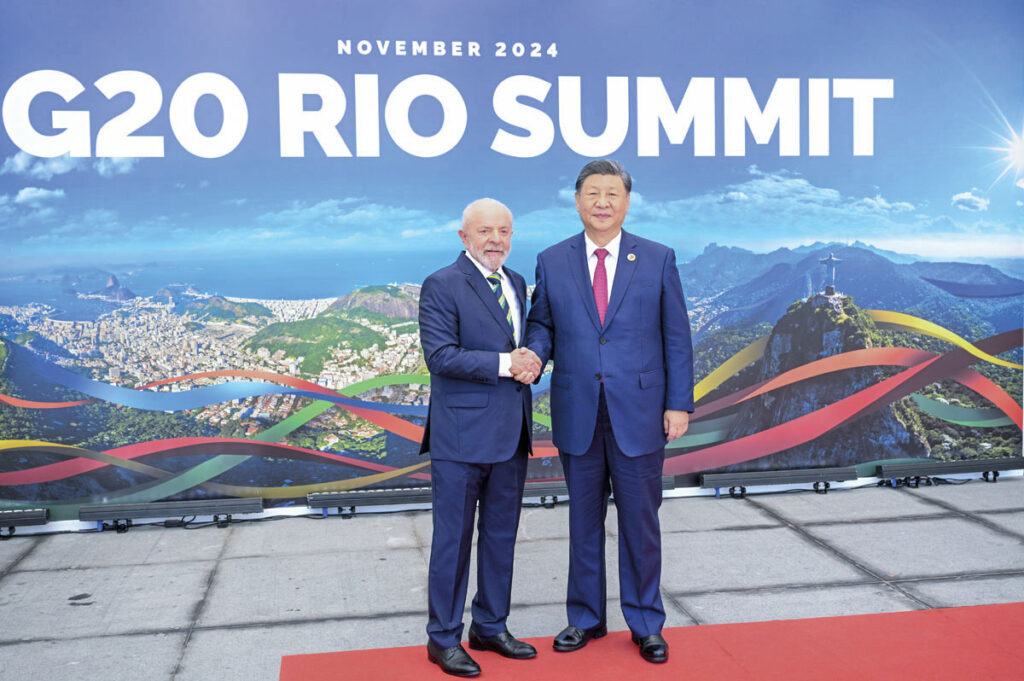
column 456, row 488
column 636, row 482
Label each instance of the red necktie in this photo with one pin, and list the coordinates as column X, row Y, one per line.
column 601, row 284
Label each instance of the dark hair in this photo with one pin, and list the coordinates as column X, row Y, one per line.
column 604, row 167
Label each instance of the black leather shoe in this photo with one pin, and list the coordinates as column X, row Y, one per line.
column 504, row 644
column 454, row 660
column 573, row 638
column 653, row 648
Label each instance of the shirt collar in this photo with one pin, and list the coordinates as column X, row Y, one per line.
column 612, row 246
column 483, row 270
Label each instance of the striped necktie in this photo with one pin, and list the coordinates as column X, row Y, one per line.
column 495, row 281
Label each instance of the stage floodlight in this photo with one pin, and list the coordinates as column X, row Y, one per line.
column 121, row 515
column 9, row 520
column 346, row 502
column 548, row 492
column 738, row 482
column 911, row 472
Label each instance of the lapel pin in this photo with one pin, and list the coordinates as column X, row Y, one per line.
column 631, row 257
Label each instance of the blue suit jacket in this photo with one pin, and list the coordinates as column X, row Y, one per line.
column 643, row 351
column 474, row 416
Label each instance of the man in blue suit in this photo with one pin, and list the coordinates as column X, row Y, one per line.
column 608, row 308
column 478, row 429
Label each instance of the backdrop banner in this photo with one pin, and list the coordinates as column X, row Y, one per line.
column 216, row 217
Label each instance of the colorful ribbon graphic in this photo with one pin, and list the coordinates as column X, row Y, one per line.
column 809, row 426
column 706, row 433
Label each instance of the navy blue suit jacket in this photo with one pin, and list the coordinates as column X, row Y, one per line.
column 643, row 352
column 474, row 416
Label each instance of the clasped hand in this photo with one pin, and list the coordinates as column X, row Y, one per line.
column 525, row 365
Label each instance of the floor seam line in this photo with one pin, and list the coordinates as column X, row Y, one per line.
column 12, row 568
column 200, row 607
column 969, row 515
column 842, row 556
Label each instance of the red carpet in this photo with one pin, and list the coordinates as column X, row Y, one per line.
column 955, row 644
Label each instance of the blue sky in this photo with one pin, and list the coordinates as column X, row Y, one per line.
column 931, row 188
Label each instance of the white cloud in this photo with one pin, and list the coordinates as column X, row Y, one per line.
column 955, row 245
column 236, row 202
column 451, row 227
column 98, row 216
column 17, row 164
column 969, row 202
column 787, row 186
column 42, row 214
column 327, row 217
column 7, row 210
column 108, row 167
column 1020, row 183
column 764, row 201
column 880, row 204
column 34, row 196
column 267, row 234
column 769, row 209
column 95, row 223
column 39, row 168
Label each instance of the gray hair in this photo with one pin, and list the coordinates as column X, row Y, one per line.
column 479, row 204
column 604, row 167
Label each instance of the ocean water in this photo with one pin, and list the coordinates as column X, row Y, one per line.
column 285, row 276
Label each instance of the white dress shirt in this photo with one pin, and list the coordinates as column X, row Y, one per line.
column 504, row 358
column 610, row 260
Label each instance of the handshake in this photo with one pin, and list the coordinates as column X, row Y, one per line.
column 526, row 365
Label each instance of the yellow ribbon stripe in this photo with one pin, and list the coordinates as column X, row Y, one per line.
column 301, row 490
column 22, row 444
column 730, row 367
column 905, row 322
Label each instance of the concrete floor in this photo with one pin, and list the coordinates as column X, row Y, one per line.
column 209, row 603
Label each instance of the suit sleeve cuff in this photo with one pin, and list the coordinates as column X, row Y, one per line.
column 504, row 365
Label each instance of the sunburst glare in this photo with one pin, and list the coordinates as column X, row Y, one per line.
column 1011, row 151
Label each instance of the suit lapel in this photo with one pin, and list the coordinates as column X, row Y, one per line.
column 482, row 288
column 519, row 284
column 577, row 255
column 624, row 269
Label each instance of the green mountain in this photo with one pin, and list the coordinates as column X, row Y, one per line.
column 314, row 338
column 821, row 327
column 217, row 308
column 392, row 302
column 31, row 339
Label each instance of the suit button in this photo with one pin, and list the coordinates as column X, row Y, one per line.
column 603, row 341
column 519, row 388
column 597, row 376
